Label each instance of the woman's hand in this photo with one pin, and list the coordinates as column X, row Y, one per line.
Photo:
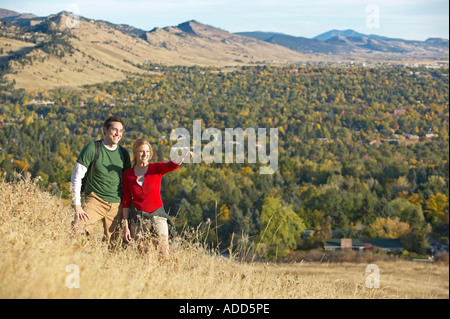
column 181, row 158
column 127, row 234
column 188, row 154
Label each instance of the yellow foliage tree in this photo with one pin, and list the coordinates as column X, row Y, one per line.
column 388, row 228
column 21, row 166
column 437, row 206
column 415, row 199
column 224, row 212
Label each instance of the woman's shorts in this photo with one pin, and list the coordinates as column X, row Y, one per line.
column 149, row 224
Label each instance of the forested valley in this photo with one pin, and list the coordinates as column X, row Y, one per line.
column 362, row 151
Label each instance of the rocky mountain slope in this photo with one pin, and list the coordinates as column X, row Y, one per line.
column 67, row 50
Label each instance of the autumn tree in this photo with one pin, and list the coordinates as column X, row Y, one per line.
column 437, row 206
column 281, row 227
column 387, row 228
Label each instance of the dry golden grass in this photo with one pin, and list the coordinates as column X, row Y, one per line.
column 13, row 45
column 37, row 247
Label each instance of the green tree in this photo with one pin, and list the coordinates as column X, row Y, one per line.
column 281, row 227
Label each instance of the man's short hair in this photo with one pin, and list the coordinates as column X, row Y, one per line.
column 112, row 119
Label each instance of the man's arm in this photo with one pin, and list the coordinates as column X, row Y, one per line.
column 78, row 173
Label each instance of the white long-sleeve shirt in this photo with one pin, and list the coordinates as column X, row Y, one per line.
column 78, row 173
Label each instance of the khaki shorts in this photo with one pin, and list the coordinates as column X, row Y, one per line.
column 148, row 225
column 98, row 209
column 157, row 228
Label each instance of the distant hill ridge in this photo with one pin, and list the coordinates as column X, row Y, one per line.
column 9, row 14
column 353, row 42
column 51, row 54
column 346, row 34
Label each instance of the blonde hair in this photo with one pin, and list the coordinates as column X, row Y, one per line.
column 136, row 146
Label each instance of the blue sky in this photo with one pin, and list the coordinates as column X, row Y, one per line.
column 407, row 19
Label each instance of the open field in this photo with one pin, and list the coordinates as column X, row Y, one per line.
column 40, row 259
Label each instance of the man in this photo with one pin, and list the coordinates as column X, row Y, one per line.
column 103, row 187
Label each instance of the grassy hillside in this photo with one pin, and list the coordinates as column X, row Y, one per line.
column 38, row 247
column 98, row 51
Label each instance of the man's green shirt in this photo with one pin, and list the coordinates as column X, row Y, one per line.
column 106, row 181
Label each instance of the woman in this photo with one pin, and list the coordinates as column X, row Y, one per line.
column 141, row 186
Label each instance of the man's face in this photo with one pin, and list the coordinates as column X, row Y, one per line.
column 114, row 133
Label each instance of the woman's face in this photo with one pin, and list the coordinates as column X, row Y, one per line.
column 143, row 154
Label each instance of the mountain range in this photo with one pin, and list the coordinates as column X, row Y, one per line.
column 67, row 50
column 354, row 43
